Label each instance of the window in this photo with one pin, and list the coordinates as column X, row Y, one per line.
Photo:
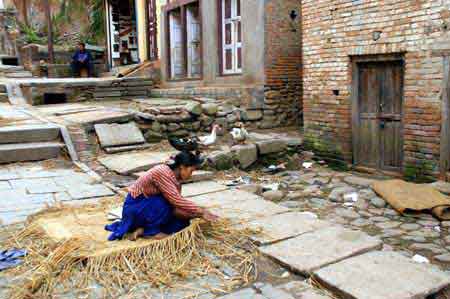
column 184, row 34
column 231, row 58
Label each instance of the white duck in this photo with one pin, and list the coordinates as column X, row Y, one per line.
column 239, row 133
column 210, row 139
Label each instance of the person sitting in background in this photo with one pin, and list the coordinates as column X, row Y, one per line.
column 81, row 62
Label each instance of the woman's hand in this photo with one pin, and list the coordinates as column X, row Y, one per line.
column 208, row 216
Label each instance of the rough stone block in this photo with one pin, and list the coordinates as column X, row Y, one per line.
column 312, row 251
column 271, row 146
column 246, row 155
column 383, row 275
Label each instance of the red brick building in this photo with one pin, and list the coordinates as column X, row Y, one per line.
column 373, row 78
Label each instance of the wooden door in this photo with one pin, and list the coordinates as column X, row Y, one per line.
column 377, row 119
column 193, row 41
column 176, row 45
column 152, row 30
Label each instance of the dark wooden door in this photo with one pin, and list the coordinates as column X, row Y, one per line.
column 377, row 119
column 152, row 27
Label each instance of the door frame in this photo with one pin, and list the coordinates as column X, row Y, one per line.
column 355, row 121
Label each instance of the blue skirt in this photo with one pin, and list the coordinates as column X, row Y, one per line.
column 154, row 214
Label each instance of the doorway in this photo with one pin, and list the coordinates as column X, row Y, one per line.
column 123, row 32
column 377, row 112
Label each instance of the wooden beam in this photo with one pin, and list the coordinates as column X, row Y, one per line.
column 445, row 129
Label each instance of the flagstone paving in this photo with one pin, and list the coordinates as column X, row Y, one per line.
column 27, row 188
column 314, row 250
column 383, row 275
column 200, row 188
column 283, row 226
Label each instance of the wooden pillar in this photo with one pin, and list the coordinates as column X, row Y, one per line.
column 445, row 129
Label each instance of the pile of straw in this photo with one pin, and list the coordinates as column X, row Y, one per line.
column 79, row 255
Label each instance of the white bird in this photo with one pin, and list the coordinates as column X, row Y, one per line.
column 239, row 134
column 210, row 139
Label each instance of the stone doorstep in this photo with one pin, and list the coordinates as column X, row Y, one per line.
column 383, row 274
column 284, row 226
column 311, row 251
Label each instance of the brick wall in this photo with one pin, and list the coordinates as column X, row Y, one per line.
column 334, row 31
column 282, row 62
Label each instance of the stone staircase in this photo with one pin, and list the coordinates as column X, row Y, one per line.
column 29, row 143
column 125, row 87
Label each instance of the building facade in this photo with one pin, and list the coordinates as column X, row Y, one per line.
column 374, row 80
column 250, row 48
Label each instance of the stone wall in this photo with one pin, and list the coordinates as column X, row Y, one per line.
column 232, row 100
column 333, row 32
column 283, row 89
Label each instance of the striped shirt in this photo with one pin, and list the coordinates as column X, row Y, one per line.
column 161, row 180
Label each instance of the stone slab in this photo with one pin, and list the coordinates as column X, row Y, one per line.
column 200, row 188
column 7, row 173
column 383, row 275
column 119, row 134
column 90, row 191
column 5, row 185
column 243, row 294
column 303, row 290
column 279, row 227
column 98, row 116
column 238, row 205
column 134, row 162
column 37, row 186
column 311, row 251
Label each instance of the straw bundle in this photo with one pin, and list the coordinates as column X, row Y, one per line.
column 67, row 249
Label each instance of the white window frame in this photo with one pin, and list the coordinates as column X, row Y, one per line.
column 235, row 45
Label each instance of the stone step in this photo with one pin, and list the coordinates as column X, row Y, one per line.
column 35, row 151
column 28, row 133
column 23, row 74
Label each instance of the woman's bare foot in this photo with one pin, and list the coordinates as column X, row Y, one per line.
column 136, row 234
